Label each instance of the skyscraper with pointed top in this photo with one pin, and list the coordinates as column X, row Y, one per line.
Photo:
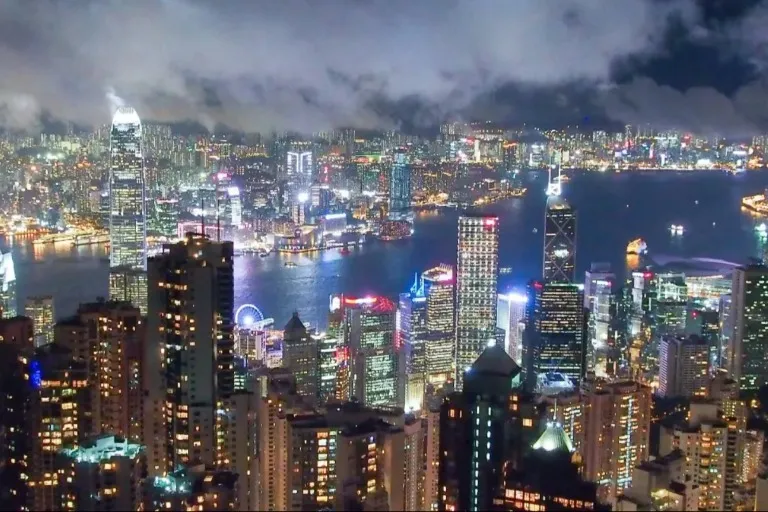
column 559, row 235
column 412, row 335
column 127, row 211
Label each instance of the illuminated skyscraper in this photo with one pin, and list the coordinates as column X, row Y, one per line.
column 399, row 187
column 300, row 352
column 683, row 366
column 598, row 299
column 559, row 237
column 412, row 334
column 554, row 336
column 376, row 365
column 127, row 226
column 510, row 316
column 189, row 360
column 8, row 298
column 40, row 310
column 477, row 269
column 439, row 285
column 748, row 315
column 617, row 427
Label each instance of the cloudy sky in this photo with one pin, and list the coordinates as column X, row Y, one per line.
column 308, row 65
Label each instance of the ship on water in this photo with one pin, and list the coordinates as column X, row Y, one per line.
column 395, row 230
column 637, row 247
column 756, row 203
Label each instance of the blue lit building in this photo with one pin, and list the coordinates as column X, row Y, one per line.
column 412, row 336
column 399, row 187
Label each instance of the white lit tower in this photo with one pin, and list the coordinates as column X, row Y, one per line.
column 127, row 211
column 559, row 235
column 477, row 269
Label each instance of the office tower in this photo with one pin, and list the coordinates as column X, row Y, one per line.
column 15, row 443
column 300, row 353
column 598, row 300
column 108, row 337
column 559, row 239
column 554, row 338
column 549, row 478
column 749, row 320
column 683, row 366
column 752, row 461
column 399, row 187
column 189, row 361
column 439, row 285
column 712, row 444
column 412, row 334
column 510, row 316
column 299, row 166
column 196, row 487
column 669, row 308
column 474, row 433
column 328, row 350
column 660, row 484
column 414, row 451
column 18, row 332
column 58, row 417
column 8, row 298
column 477, row 269
column 350, row 458
column 105, row 473
column 40, row 310
column 376, row 364
column 127, row 207
column 617, row 425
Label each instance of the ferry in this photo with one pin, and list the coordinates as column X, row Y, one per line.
column 263, row 254
column 505, row 270
column 756, row 204
column 289, row 264
column 518, row 192
column 395, row 230
column 676, row 229
column 637, row 247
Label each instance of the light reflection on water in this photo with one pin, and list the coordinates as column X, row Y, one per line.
column 605, row 226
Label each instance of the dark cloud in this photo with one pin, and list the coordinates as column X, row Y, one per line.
column 310, row 65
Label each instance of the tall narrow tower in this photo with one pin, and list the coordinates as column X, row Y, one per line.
column 559, row 235
column 127, row 211
column 477, row 270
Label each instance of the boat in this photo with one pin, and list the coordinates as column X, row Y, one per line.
column 676, row 229
column 345, row 250
column 263, row 254
column 756, row 204
column 637, row 247
column 505, row 270
column 289, row 264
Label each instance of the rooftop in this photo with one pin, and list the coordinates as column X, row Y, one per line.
column 125, row 115
column 103, row 449
column 494, row 359
column 554, row 438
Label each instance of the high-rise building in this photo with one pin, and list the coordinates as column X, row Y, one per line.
column 412, row 338
column 559, row 241
column 127, row 210
column 475, row 430
column 108, row 337
column 300, row 353
column 598, row 300
column 669, row 309
column 15, row 443
column 196, row 487
column 328, row 350
column 8, row 297
column 399, row 187
column 439, row 287
column 377, row 366
column 105, row 473
column 18, row 332
column 189, row 360
column 554, row 337
column 58, row 417
column 660, row 484
column 712, row 444
column 549, row 478
column 477, row 269
column 40, row 310
column 748, row 316
column 683, row 366
column 510, row 317
column 617, row 425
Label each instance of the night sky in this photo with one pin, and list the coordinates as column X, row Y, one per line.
column 382, row 64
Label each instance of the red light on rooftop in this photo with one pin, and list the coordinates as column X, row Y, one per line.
column 490, row 222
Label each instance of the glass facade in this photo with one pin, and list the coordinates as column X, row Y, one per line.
column 412, row 333
column 749, row 317
column 399, row 186
column 127, row 209
column 477, row 269
column 439, row 285
column 559, row 241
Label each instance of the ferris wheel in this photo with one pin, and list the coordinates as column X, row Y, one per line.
column 248, row 315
